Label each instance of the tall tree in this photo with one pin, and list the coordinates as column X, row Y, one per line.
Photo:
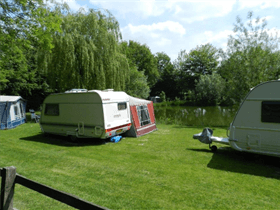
column 24, row 27
column 251, row 58
column 167, row 78
column 203, row 60
column 87, row 53
column 143, row 59
column 137, row 85
column 209, row 90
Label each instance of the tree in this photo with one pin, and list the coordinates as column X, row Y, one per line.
column 209, row 90
column 87, row 54
column 202, row 60
column 167, row 79
column 138, row 85
column 25, row 26
column 251, row 57
column 143, row 59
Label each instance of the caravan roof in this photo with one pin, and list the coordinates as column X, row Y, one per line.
column 9, row 98
column 105, row 96
column 109, row 95
column 137, row 101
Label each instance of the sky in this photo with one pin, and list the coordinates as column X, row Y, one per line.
column 172, row 26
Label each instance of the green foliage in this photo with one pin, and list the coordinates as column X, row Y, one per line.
column 26, row 27
column 137, row 85
column 209, row 90
column 167, row 79
column 251, row 57
column 202, row 60
column 181, row 59
column 141, row 56
column 162, row 96
column 87, row 54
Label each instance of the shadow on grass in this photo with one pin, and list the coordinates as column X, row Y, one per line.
column 228, row 159
column 64, row 141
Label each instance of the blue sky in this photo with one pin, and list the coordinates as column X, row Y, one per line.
column 172, row 26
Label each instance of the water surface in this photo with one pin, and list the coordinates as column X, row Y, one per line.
column 195, row 116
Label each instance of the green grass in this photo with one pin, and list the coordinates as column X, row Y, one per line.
column 166, row 169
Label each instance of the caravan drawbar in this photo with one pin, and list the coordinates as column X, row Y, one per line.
column 86, row 114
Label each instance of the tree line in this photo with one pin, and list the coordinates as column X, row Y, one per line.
column 46, row 48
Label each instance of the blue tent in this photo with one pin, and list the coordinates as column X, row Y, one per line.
column 12, row 111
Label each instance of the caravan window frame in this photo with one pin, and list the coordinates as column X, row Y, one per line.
column 270, row 112
column 51, row 109
column 122, row 106
column 22, row 110
column 16, row 111
column 143, row 115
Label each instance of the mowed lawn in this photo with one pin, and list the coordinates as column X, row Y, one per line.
column 166, row 169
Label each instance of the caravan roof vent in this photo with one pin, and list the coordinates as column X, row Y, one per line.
column 76, row 91
column 107, row 90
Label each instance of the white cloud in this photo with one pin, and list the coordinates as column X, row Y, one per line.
column 171, row 26
column 221, row 36
column 259, row 3
column 187, row 10
column 191, row 11
column 141, row 8
column 163, row 42
column 160, row 37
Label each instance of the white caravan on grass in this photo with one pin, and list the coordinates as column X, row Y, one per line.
column 86, row 114
column 256, row 126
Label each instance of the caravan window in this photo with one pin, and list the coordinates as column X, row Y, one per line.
column 21, row 109
column 122, row 106
column 16, row 110
column 270, row 111
column 52, row 109
column 143, row 115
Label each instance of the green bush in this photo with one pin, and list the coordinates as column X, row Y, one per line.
column 209, row 90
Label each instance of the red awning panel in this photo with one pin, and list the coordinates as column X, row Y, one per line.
column 146, row 129
column 135, row 117
column 151, row 112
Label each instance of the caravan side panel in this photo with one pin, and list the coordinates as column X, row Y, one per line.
column 71, row 117
column 73, row 114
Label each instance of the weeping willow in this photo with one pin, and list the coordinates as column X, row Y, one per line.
column 87, row 54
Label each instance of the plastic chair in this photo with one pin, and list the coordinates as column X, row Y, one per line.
column 34, row 116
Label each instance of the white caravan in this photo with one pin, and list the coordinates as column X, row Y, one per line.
column 84, row 114
column 256, row 126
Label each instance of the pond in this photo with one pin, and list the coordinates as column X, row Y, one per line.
column 195, row 116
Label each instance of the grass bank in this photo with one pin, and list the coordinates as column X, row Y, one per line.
column 174, row 103
column 166, row 169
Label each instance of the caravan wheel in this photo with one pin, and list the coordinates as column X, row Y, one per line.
column 213, row 148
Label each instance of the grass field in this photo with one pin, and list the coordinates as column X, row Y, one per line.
column 166, row 169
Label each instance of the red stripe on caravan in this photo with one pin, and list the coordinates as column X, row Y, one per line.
column 118, row 127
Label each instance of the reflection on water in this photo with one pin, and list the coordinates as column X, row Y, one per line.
column 195, row 116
